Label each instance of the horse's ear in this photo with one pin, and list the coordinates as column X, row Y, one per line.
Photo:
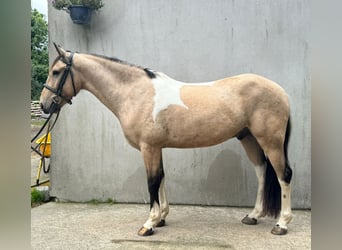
column 60, row 50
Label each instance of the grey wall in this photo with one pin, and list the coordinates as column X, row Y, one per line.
column 194, row 41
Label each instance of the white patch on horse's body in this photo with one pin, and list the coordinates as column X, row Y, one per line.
column 167, row 92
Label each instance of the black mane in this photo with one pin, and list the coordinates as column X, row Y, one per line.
column 148, row 71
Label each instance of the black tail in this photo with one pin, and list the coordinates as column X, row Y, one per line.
column 272, row 191
column 288, row 170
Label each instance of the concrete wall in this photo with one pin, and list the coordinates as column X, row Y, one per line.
column 194, row 41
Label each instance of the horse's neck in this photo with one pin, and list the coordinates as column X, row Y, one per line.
column 109, row 81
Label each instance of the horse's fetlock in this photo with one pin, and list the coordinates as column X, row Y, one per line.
column 285, row 219
column 288, row 216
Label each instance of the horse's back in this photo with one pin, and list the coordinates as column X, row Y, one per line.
column 238, row 94
column 248, row 84
column 255, row 92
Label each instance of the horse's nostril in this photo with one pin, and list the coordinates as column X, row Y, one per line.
column 42, row 108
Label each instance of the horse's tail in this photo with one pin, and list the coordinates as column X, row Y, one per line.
column 272, row 190
column 288, row 170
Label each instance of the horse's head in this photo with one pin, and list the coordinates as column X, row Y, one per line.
column 60, row 85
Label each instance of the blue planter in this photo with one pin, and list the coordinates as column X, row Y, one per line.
column 80, row 14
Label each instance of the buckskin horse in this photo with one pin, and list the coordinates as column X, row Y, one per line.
column 156, row 111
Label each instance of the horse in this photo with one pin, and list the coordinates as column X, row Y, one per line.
column 156, row 112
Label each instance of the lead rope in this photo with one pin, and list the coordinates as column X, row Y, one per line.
column 44, row 142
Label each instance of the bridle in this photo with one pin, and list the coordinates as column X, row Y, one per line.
column 57, row 99
column 55, row 107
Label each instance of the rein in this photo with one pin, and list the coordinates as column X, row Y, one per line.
column 58, row 92
column 43, row 142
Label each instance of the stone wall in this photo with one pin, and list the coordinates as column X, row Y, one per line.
column 36, row 111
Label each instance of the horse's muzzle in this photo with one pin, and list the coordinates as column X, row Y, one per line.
column 53, row 108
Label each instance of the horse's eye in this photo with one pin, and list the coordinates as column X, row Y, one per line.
column 55, row 73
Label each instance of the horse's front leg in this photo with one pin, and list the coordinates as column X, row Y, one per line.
column 155, row 178
column 164, row 205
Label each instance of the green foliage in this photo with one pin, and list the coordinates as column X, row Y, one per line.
column 94, row 202
column 97, row 202
column 39, row 53
column 110, row 201
column 65, row 4
column 36, row 196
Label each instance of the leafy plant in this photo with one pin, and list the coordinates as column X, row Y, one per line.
column 37, row 196
column 65, row 4
column 94, row 202
column 39, row 53
column 110, row 201
column 97, row 202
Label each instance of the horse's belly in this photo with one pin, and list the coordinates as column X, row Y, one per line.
column 190, row 133
column 196, row 141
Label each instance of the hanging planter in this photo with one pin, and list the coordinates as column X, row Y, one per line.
column 80, row 10
column 80, row 14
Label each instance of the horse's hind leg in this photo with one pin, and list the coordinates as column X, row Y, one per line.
column 155, row 178
column 277, row 191
column 256, row 156
column 284, row 174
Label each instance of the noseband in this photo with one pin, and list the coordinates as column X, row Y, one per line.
column 58, row 92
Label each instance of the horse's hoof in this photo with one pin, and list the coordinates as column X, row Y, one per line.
column 145, row 232
column 277, row 230
column 249, row 221
column 161, row 223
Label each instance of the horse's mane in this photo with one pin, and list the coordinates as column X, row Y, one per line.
column 150, row 73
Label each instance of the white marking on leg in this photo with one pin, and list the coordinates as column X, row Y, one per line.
column 258, row 208
column 167, row 92
column 154, row 217
column 164, row 205
column 286, row 212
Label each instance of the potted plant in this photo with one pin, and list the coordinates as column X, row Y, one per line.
column 80, row 10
